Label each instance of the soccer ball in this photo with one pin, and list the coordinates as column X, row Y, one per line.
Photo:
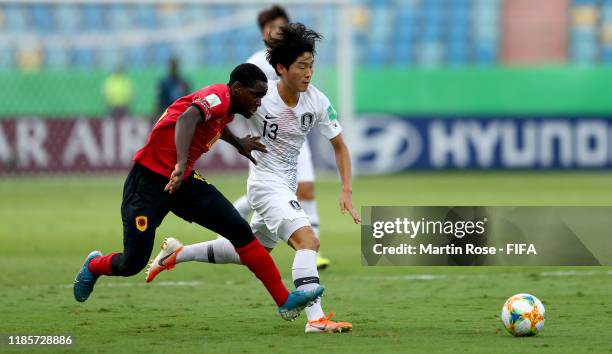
column 523, row 315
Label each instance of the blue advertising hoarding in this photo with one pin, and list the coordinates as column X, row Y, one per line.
column 386, row 144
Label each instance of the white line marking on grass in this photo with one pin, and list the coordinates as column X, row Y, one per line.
column 406, row 277
column 571, row 273
column 424, row 277
column 428, row 277
column 122, row 285
column 161, row 283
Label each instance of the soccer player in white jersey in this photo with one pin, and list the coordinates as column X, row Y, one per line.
column 288, row 112
column 270, row 21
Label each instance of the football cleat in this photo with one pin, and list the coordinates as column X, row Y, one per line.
column 326, row 325
column 85, row 279
column 297, row 301
column 166, row 259
column 322, row 262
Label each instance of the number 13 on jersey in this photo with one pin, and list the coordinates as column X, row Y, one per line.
column 270, row 130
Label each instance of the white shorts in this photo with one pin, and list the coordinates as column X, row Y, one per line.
column 277, row 213
column 305, row 169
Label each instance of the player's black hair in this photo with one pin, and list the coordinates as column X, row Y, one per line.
column 247, row 74
column 271, row 14
column 294, row 40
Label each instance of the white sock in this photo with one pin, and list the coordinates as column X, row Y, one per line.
column 242, row 205
column 219, row 251
column 310, row 207
column 306, row 277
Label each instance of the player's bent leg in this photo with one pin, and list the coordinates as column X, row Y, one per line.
column 173, row 252
column 133, row 259
column 217, row 251
column 306, row 196
column 85, row 279
column 304, row 239
column 143, row 208
column 305, row 276
column 202, row 203
column 137, row 248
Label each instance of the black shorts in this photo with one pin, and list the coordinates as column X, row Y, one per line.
column 145, row 204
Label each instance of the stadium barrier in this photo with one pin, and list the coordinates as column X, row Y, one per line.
column 380, row 144
column 32, row 146
column 387, row 144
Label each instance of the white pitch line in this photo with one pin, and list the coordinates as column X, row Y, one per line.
column 425, row 277
column 571, row 273
column 561, row 273
column 406, row 277
column 121, row 285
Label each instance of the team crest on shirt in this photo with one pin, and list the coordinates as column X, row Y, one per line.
column 306, row 121
column 295, row 204
column 142, row 222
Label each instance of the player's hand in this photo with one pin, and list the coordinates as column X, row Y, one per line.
column 346, row 204
column 248, row 144
column 175, row 179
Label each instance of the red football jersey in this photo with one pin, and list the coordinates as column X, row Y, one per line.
column 159, row 153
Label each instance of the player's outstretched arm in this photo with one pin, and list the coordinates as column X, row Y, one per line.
column 183, row 134
column 343, row 162
column 244, row 145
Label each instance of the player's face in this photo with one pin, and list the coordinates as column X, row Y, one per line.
column 249, row 98
column 300, row 72
column 272, row 28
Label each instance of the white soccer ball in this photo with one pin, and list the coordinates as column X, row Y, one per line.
column 523, row 315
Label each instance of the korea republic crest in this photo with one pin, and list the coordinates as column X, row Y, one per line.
column 306, row 121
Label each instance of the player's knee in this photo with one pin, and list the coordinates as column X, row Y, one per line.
column 304, row 238
column 306, row 191
column 310, row 243
column 314, row 243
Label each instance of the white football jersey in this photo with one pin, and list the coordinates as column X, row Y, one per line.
column 259, row 59
column 283, row 131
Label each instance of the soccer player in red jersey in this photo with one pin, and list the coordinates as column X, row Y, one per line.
column 163, row 180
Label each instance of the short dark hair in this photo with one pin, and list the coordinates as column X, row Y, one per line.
column 247, row 74
column 271, row 14
column 294, row 40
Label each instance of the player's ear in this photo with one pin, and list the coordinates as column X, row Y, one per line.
column 236, row 87
column 280, row 68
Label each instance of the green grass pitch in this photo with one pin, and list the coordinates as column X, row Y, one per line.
column 48, row 225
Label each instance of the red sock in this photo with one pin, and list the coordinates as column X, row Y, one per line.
column 255, row 256
column 102, row 265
